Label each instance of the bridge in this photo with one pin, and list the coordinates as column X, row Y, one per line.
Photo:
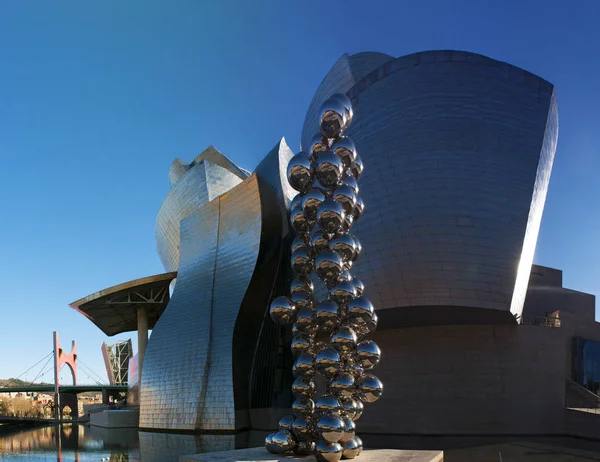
column 68, row 389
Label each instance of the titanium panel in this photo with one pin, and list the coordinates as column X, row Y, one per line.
column 458, row 151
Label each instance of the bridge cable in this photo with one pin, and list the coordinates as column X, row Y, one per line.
column 92, row 371
column 42, row 368
column 49, row 354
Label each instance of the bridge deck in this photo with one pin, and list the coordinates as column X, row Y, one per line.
column 74, row 389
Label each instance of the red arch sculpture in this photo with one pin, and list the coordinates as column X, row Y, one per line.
column 61, row 358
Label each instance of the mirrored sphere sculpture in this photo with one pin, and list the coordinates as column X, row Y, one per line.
column 329, row 343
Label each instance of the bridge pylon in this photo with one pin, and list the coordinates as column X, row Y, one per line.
column 60, row 359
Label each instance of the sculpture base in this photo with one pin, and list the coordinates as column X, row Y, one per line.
column 261, row 455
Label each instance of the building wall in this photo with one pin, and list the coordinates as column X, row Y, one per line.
column 455, row 147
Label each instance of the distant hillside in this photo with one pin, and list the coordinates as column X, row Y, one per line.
column 18, row 383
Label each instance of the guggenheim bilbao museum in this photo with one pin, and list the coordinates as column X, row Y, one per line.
column 458, row 149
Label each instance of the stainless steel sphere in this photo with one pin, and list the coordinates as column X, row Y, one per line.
column 349, row 430
column 282, row 310
column 368, row 354
column 311, row 201
column 304, row 448
column 358, row 247
column 351, row 181
column 302, row 284
column 301, row 343
column 299, row 222
column 344, row 339
column 370, row 327
column 346, row 196
column 330, row 427
column 328, row 452
column 328, row 169
column 306, row 321
column 303, row 407
column 301, row 300
column 345, row 276
column 303, row 387
column 369, row 388
column 345, row 149
column 285, row 423
column 302, row 261
column 330, row 216
column 298, row 243
column 360, row 407
column 360, row 311
column 296, row 201
column 347, row 225
column 304, row 365
column 357, row 167
column 343, row 385
column 358, row 284
column 282, row 442
column 351, row 449
column 328, row 315
column 319, row 241
column 359, row 208
column 302, row 428
column 349, row 407
column 327, row 403
column 345, row 245
column 329, row 265
column 360, row 445
column 328, row 362
column 269, row 443
column 333, row 119
column 344, row 101
column 317, row 144
column 300, row 172
column 342, row 293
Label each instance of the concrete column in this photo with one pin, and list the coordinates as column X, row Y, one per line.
column 142, row 325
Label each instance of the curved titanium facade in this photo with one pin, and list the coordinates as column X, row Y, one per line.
column 455, row 183
column 198, row 363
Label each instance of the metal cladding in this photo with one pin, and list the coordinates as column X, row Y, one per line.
column 326, row 330
column 208, row 332
column 459, row 149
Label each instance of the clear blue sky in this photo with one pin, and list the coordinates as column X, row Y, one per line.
column 98, row 97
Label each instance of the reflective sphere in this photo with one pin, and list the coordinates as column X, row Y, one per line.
column 304, row 448
column 327, row 314
column 360, row 407
column 351, row 181
column 346, row 196
column 302, row 261
column 301, row 300
column 328, row 362
column 299, row 222
column 328, row 169
column 306, row 321
column 298, row 243
column 351, row 449
column 358, row 246
column 328, row 403
column 285, row 423
column 359, row 208
column 330, row 427
column 344, row 101
column 342, row 293
column 343, row 385
column 311, row 201
column 360, row 287
column 360, row 444
column 370, row 327
column 282, row 310
column 330, row 216
column 303, row 407
column 296, row 201
column 301, row 344
column 357, row 167
column 282, row 442
column 349, row 430
column 360, row 311
column 348, row 221
column 370, row 388
column 302, row 284
column 345, row 276
column 344, row 245
column 319, row 241
column 269, row 443
column 345, row 149
column 303, row 387
column 302, row 428
column 333, row 118
column 300, row 172
column 318, row 144
column 368, row 354
column 349, row 407
column 304, row 365
column 344, row 340
column 328, row 452
column 329, row 265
